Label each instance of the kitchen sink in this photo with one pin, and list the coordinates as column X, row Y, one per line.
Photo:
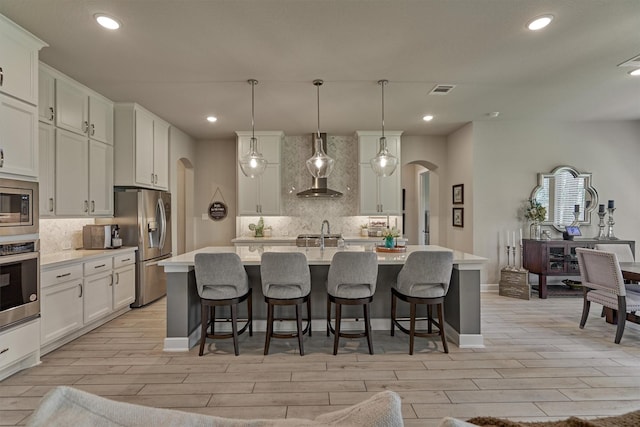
column 313, row 240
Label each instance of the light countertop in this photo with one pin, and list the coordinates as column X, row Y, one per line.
column 71, row 256
column 292, row 239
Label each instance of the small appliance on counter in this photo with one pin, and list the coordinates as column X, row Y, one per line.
column 103, row 236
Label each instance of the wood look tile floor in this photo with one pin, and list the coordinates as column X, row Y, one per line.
column 537, row 365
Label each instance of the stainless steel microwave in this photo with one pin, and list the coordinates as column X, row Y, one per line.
column 18, row 207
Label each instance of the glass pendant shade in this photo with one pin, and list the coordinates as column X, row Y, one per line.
column 253, row 162
column 319, row 165
column 384, row 163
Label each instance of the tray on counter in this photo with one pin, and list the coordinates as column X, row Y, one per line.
column 395, row 249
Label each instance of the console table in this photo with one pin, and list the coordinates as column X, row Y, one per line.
column 557, row 257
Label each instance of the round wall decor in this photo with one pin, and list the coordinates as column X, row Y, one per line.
column 218, row 211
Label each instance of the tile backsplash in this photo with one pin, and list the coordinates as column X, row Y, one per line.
column 61, row 234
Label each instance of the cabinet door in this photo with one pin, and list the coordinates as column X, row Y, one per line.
column 124, row 286
column 100, row 179
column 269, row 194
column 161, row 155
column 18, row 64
column 391, row 193
column 46, row 165
column 98, row 296
column 368, row 191
column 248, row 195
column 101, row 120
column 61, row 310
column 46, row 96
column 72, row 107
column 18, row 137
column 72, row 174
column 144, row 148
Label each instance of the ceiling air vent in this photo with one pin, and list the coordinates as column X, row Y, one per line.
column 442, row 89
column 633, row 62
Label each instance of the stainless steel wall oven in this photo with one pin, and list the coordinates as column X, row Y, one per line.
column 19, row 282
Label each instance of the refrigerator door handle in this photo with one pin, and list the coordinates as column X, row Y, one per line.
column 163, row 223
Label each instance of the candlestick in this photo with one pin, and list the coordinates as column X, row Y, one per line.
column 508, row 267
column 576, row 208
column 601, row 234
column 611, row 222
column 600, row 208
column 513, row 236
column 513, row 249
column 521, row 237
column 611, row 204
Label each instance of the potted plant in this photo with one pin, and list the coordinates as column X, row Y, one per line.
column 390, row 235
column 364, row 230
column 535, row 212
column 258, row 228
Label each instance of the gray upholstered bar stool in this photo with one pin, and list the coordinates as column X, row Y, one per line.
column 286, row 280
column 351, row 281
column 222, row 281
column 424, row 279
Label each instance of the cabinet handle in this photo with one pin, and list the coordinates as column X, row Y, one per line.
column 1, row 76
column 156, row 178
column 111, row 281
column 85, row 128
column 63, row 275
column 50, row 204
column 4, row 350
column 152, row 177
column 80, row 284
column 125, row 260
column 93, row 129
column 1, row 157
column 51, row 116
column 93, row 206
column 100, row 266
column 117, row 278
column 86, row 206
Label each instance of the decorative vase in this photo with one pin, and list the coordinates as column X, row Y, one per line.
column 535, row 231
column 259, row 232
column 389, row 242
column 364, row 232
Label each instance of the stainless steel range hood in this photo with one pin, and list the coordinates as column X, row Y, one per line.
column 319, row 188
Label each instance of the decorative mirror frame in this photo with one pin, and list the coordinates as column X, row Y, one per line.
column 590, row 192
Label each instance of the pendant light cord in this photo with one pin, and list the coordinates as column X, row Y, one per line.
column 253, row 83
column 382, row 83
column 318, row 83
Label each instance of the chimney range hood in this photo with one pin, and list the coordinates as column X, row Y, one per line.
column 319, row 188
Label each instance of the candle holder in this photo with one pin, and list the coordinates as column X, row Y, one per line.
column 508, row 267
column 610, row 223
column 513, row 251
column 601, row 234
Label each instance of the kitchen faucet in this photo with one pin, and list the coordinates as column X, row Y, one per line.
column 324, row 221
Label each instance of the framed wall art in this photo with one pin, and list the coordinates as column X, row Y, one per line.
column 458, row 194
column 458, row 217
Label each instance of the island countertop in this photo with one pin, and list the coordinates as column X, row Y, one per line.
column 315, row 256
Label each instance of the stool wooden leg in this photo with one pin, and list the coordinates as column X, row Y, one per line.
column 309, row 312
column 441, row 320
column 337, row 328
column 250, row 312
column 299, row 325
column 204, row 312
column 393, row 313
column 412, row 326
column 429, row 318
column 234, row 327
column 212, row 318
column 367, row 327
column 267, row 338
column 328, row 315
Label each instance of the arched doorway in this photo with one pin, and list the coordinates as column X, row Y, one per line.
column 184, row 201
column 421, row 182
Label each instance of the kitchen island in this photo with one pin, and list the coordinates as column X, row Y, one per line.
column 462, row 304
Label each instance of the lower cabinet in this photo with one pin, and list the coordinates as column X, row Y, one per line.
column 82, row 295
column 19, row 348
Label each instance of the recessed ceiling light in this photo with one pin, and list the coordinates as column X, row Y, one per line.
column 539, row 22
column 635, row 72
column 493, row 114
column 427, row 118
column 107, row 21
column 212, row 119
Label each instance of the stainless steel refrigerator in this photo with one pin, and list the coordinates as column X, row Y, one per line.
column 144, row 217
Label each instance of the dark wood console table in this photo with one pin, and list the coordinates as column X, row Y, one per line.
column 557, row 257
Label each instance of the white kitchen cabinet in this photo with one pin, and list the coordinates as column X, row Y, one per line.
column 98, row 289
column 141, row 148
column 124, row 280
column 260, row 195
column 46, row 164
column 19, row 348
column 82, row 111
column 379, row 195
column 46, row 95
column 84, row 176
column 61, row 310
column 18, row 138
column 19, row 61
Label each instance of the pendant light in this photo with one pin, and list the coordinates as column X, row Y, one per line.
column 320, row 165
column 384, row 163
column 252, row 163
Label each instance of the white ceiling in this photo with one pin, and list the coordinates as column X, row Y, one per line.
column 187, row 59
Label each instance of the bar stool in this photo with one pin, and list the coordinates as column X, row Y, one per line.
column 351, row 281
column 286, row 280
column 424, row 279
column 222, row 281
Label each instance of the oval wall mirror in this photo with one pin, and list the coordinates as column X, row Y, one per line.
column 560, row 191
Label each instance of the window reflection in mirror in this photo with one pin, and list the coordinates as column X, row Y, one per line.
column 563, row 191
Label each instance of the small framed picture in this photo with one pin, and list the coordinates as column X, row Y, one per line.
column 458, row 194
column 458, row 217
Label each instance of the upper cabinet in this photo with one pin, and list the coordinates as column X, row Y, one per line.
column 260, row 195
column 18, row 100
column 46, row 95
column 379, row 195
column 19, row 62
column 141, row 148
column 82, row 111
